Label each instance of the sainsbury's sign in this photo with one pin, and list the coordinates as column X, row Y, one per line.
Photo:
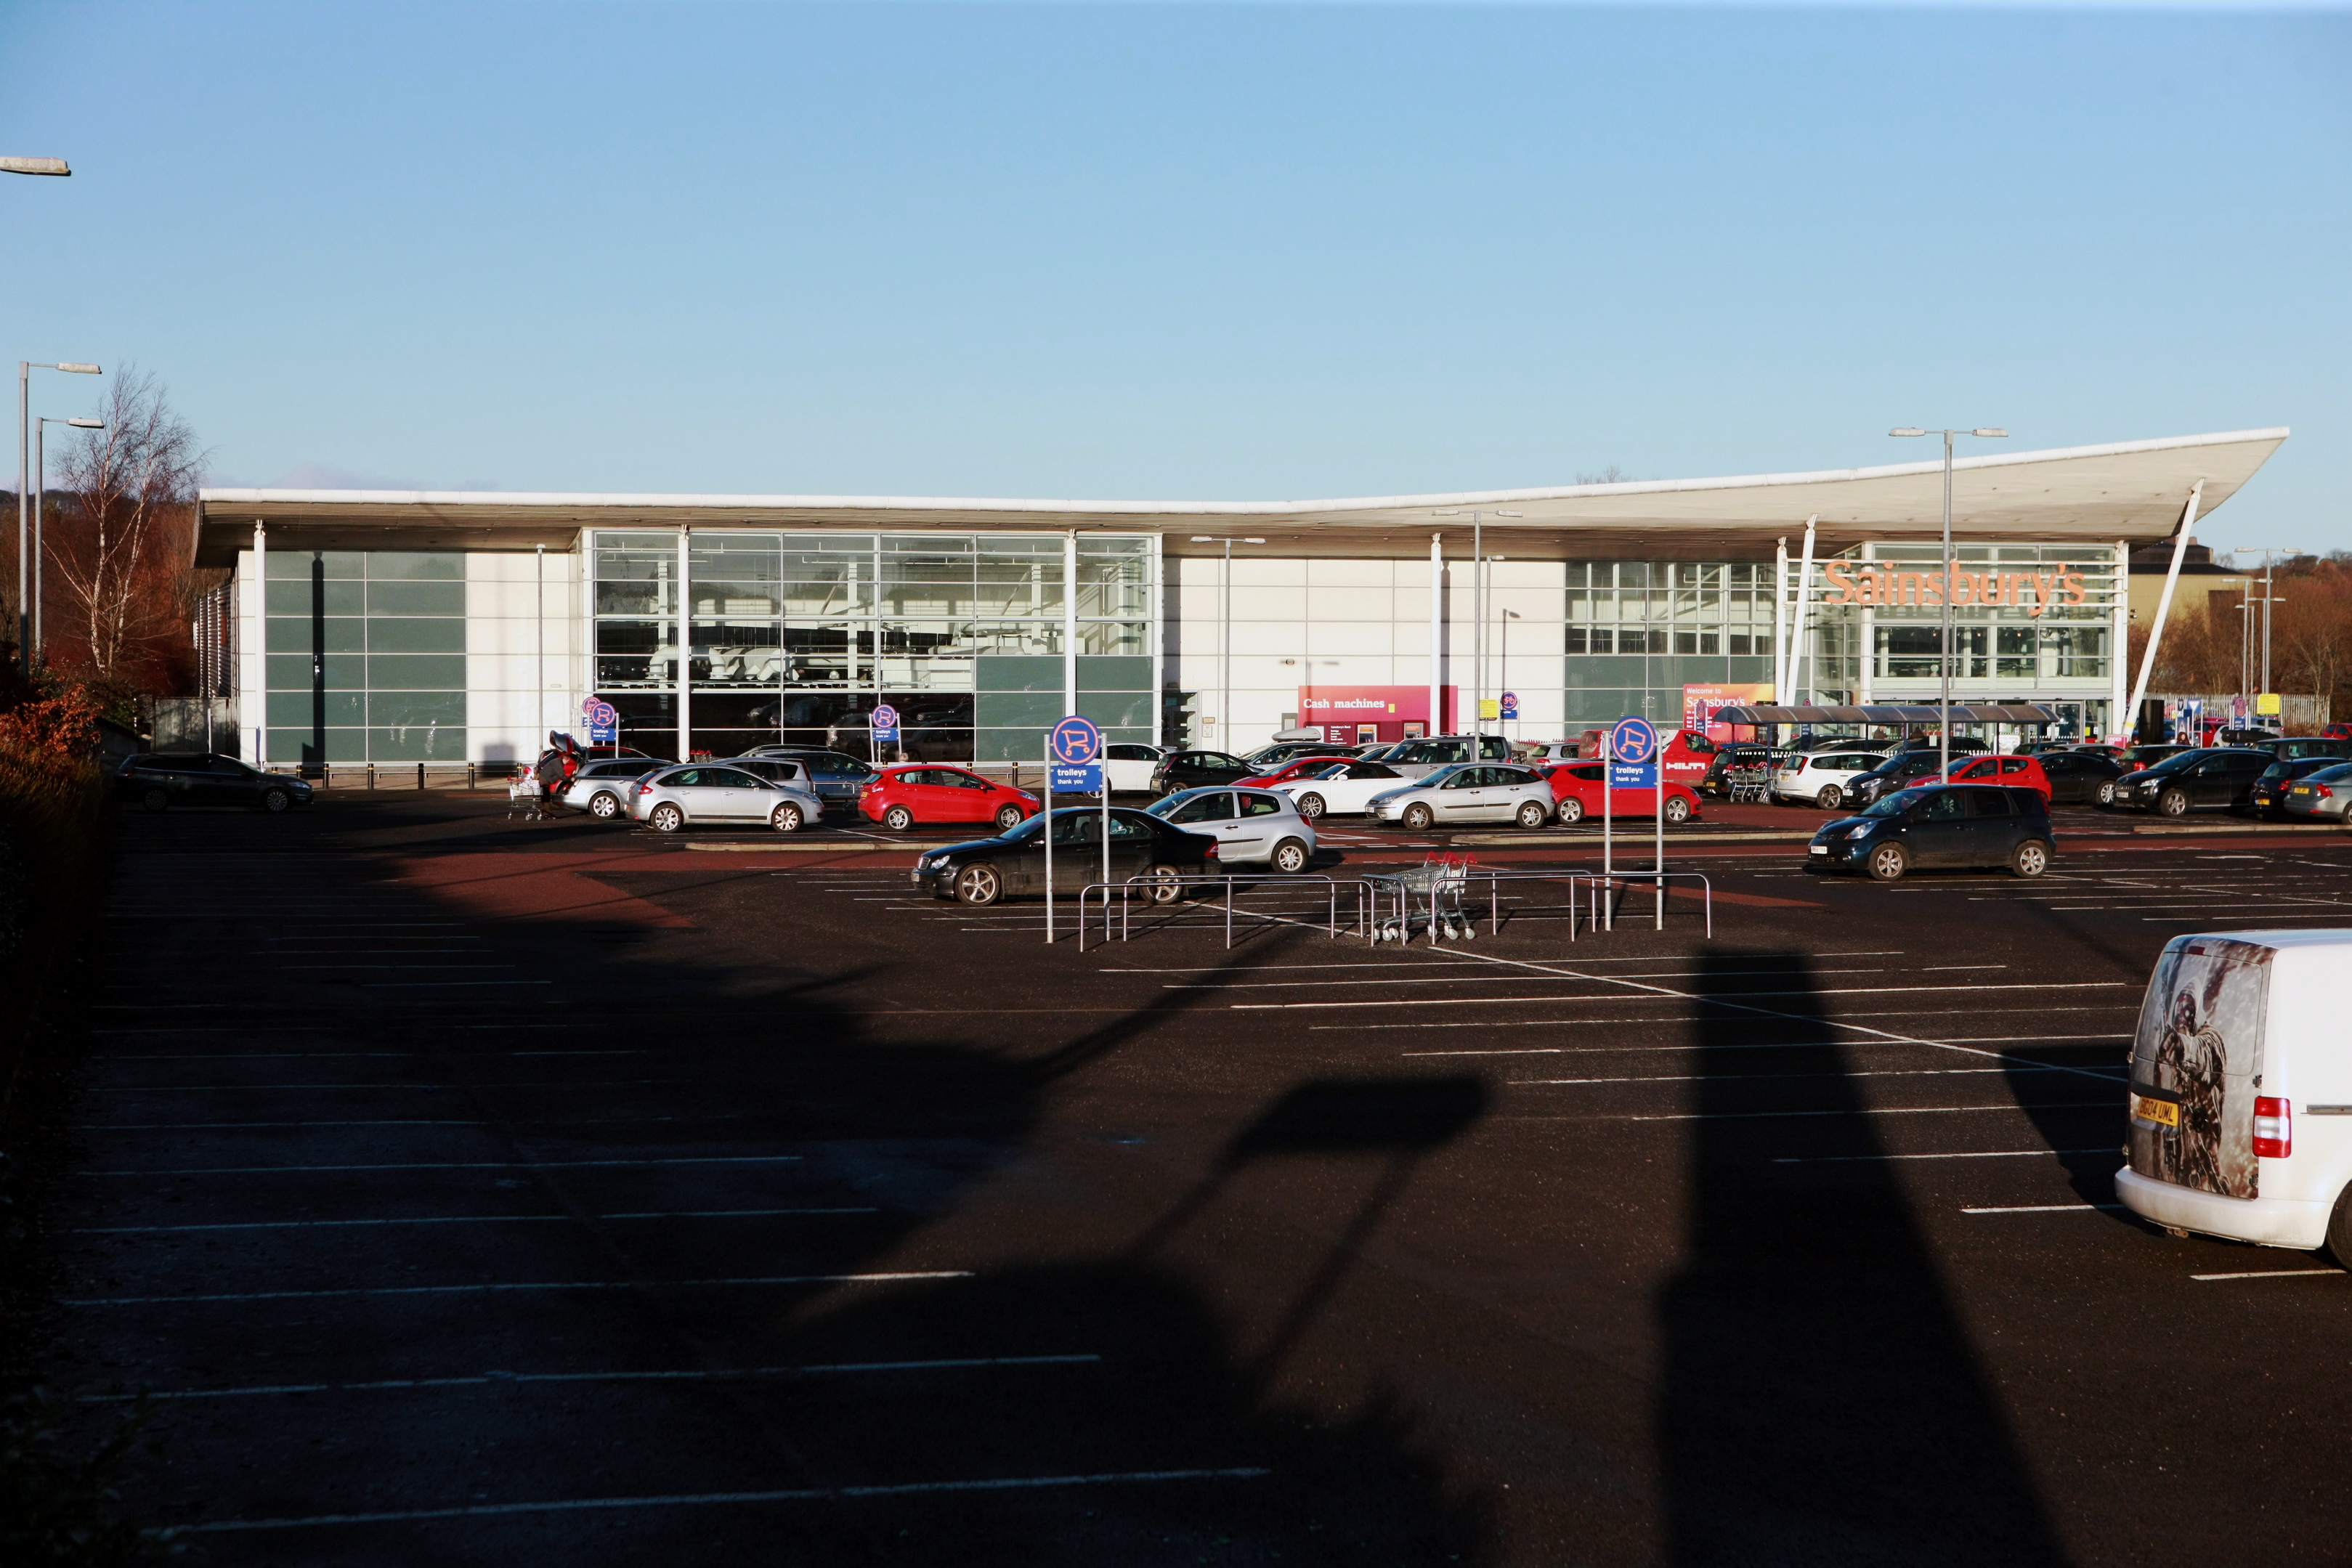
column 1890, row 585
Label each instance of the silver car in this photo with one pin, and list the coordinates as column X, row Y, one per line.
column 603, row 789
column 718, row 794
column 1470, row 793
column 1252, row 827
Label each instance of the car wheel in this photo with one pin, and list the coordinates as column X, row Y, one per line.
column 1310, row 806
column 1291, row 857
column 2339, row 1230
column 1829, row 799
column 275, row 801
column 1009, row 819
column 785, row 818
column 1531, row 813
column 1570, row 811
column 1165, row 883
column 2031, row 858
column 979, row 885
column 155, row 801
column 1678, row 810
column 2106, row 791
column 898, row 819
column 605, row 806
column 1887, row 862
column 2173, row 803
column 1417, row 817
column 666, row 819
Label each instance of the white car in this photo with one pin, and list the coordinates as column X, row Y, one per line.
column 1341, row 789
column 1130, row 767
column 1252, row 827
column 1472, row 792
column 1824, row 777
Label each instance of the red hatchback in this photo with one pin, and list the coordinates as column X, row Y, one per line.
column 1289, row 771
column 919, row 796
column 1576, row 792
column 2001, row 768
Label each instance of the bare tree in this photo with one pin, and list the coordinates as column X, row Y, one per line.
column 130, row 483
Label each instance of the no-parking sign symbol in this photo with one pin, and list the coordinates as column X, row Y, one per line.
column 603, row 721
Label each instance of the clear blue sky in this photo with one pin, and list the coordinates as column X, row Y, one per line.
column 1185, row 251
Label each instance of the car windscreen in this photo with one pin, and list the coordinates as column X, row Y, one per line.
column 2334, row 775
column 1896, row 804
column 1167, row 803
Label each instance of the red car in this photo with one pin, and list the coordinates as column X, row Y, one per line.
column 1576, row 789
column 912, row 796
column 1290, row 771
column 2001, row 769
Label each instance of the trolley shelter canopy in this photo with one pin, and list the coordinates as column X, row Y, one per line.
column 2132, row 490
column 1888, row 712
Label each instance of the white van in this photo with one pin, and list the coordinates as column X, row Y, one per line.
column 2241, row 1095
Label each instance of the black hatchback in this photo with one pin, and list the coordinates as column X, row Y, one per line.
column 1190, row 770
column 160, row 782
column 1940, row 825
column 2208, row 776
column 2269, row 799
column 986, row 871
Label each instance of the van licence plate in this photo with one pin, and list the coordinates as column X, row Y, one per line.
column 2163, row 1111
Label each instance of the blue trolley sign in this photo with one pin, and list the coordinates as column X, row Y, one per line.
column 1634, row 755
column 1072, row 753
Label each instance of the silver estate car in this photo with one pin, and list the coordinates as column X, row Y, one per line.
column 1468, row 793
column 718, row 794
column 603, row 789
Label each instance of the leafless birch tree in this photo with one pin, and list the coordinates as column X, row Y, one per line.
column 129, row 483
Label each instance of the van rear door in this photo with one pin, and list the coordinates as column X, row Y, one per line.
column 2196, row 1065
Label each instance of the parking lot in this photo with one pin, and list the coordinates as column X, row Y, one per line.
column 465, row 1190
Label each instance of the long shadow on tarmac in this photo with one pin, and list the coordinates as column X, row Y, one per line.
column 1821, row 1402
column 736, row 1062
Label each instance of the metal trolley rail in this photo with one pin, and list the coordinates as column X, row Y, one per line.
column 1171, row 892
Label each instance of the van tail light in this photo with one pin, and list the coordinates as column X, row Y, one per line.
column 2274, row 1127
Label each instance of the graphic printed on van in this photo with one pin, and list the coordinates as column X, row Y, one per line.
column 2197, row 1063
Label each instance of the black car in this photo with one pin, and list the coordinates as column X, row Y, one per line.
column 986, row 871
column 1940, row 825
column 160, row 782
column 2207, row 776
column 1899, row 771
column 2078, row 777
column 1190, row 770
column 2269, row 797
column 833, row 777
column 1962, row 745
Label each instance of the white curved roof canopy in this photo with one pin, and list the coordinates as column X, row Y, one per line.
column 2131, row 490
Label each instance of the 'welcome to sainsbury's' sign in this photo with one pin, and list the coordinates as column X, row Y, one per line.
column 1890, row 585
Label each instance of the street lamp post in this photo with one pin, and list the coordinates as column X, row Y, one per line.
column 1225, row 630
column 1944, row 662
column 1478, row 565
column 2270, row 583
column 25, row 368
column 40, row 492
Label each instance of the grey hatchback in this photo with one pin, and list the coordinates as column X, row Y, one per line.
column 705, row 794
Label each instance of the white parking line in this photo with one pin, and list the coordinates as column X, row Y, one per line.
column 1479, row 976
column 1792, row 1077
column 536, row 1285
column 478, row 1380
column 813, row 1494
column 1964, row 1154
column 2274, row 1274
column 459, row 1165
column 1879, row 1111
column 445, row 1219
column 2052, row 1208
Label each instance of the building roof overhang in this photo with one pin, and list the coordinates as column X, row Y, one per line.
column 2132, row 490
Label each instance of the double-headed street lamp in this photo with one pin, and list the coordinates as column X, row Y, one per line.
column 1224, row 629
column 25, row 368
column 1478, row 576
column 1944, row 713
column 40, row 489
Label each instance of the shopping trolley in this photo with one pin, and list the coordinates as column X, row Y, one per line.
column 1428, row 898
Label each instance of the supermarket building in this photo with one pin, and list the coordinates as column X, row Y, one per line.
column 403, row 627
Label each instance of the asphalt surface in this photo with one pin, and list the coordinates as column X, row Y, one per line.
column 468, row 1191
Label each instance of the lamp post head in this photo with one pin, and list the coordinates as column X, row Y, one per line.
column 1991, row 431
column 86, row 424
column 1205, row 539
column 33, row 166
column 1252, row 541
column 1905, row 430
column 76, row 367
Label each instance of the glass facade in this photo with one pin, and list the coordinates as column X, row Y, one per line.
column 365, row 657
column 1638, row 631
column 2027, row 618
column 796, row 637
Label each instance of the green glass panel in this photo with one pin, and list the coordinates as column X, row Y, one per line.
column 291, row 710
column 345, row 673
column 415, row 634
column 417, row 743
column 416, row 672
column 1017, row 708
column 294, row 745
column 1750, row 669
column 1009, row 746
column 416, row 566
column 296, row 563
column 291, row 634
column 293, row 598
column 1602, row 671
column 1122, row 708
column 417, row 598
column 403, row 709
column 1017, row 672
column 1113, row 673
